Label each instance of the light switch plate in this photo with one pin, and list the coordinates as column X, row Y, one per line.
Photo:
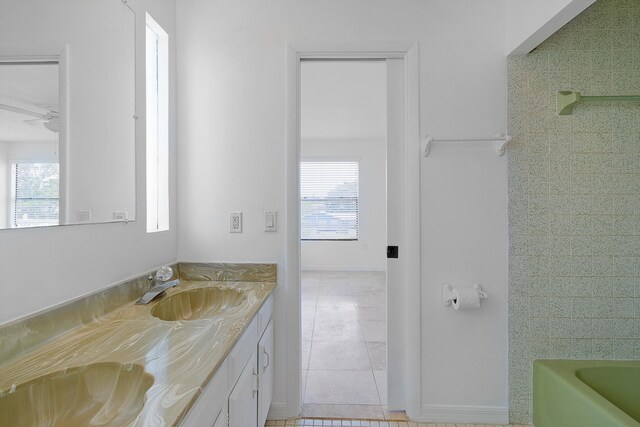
column 235, row 222
column 270, row 221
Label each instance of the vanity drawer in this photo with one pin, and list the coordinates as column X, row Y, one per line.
column 241, row 352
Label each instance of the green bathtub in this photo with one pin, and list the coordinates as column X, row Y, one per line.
column 586, row 393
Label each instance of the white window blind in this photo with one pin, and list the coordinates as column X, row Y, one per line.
column 329, row 200
column 35, row 194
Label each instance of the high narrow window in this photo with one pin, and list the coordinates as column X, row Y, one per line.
column 329, row 200
column 34, row 194
column 157, row 127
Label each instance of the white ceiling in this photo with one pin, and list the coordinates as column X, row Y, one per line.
column 30, row 87
column 344, row 100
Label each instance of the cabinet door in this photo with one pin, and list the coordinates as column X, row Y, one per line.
column 265, row 372
column 211, row 407
column 243, row 401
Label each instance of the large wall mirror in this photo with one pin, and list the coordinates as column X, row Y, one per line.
column 67, row 112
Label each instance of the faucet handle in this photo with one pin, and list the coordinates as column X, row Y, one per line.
column 164, row 273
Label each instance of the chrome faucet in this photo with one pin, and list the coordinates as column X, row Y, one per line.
column 159, row 284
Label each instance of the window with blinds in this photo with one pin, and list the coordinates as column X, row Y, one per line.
column 329, row 200
column 35, row 194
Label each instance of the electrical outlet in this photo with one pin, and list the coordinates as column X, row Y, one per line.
column 235, row 222
column 83, row 215
column 119, row 216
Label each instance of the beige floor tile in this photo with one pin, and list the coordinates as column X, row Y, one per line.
column 342, row 411
column 374, row 331
column 377, row 354
column 378, row 314
column 306, row 352
column 329, row 312
column 308, row 314
column 303, row 378
column 336, row 355
column 335, row 320
column 365, row 412
column 334, row 288
column 307, row 330
column 337, row 387
column 338, row 330
column 375, row 300
column 395, row 415
column 335, row 300
column 308, row 297
column 381, row 385
column 362, row 289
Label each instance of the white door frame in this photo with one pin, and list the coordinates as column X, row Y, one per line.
column 408, row 319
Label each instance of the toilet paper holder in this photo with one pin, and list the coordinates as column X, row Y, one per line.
column 448, row 295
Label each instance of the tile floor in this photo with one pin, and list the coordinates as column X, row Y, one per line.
column 362, row 423
column 344, row 350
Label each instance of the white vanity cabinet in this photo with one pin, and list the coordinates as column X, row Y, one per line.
column 250, row 399
column 240, row 393
column 243, row 400
column 210, row 409
column 265, row 373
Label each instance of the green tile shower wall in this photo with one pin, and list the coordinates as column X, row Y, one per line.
column 574, row 198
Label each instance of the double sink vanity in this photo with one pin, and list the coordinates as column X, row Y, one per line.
column 199, row 355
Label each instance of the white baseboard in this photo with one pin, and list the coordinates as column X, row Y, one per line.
column 282, row 411
column 339, row 268
column 464, row 414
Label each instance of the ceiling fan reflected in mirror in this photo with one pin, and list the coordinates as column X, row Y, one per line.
column 50, row 120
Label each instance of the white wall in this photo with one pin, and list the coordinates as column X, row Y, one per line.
column 46, row 266
column 232, row 105
column 5, row 170
column 530, row 22
column 368, row 252
column 464, row 241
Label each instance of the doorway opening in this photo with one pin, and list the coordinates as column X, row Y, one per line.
column 343, row 223
column 403, row 219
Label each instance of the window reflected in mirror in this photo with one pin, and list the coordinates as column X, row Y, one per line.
column 35, row 190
